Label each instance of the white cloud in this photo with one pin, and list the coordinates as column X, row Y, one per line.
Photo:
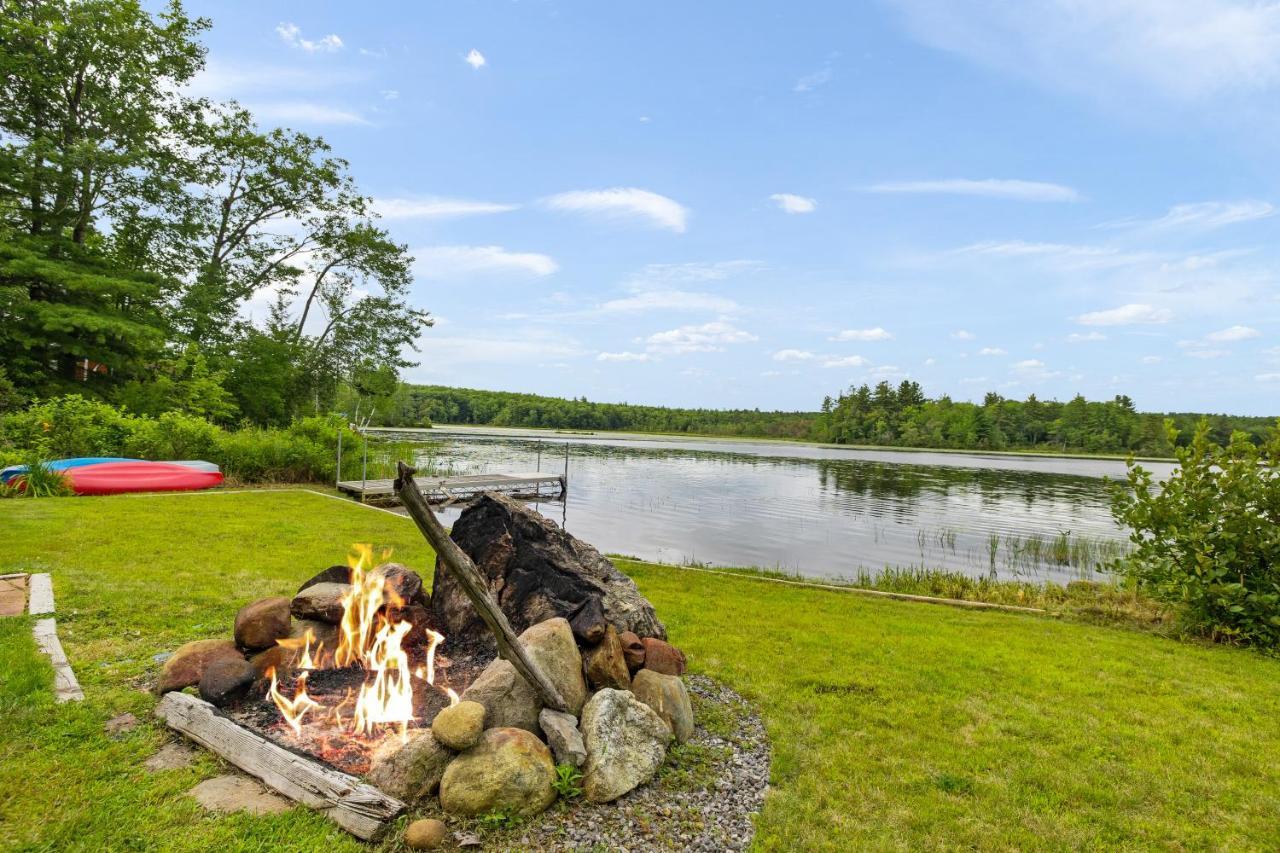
column 443, row 356
column 1208, row 353
column 929, row 362
column 708, row 337
column 1151, row 359
column 1086, row 337
column 1126, row 315
column 475, row 59
column 659, row 276
column 789, row 203
column 876, row 334
column 847, row 361
column 992, row 351
column 441, row 262
column 1233, row 333
column 1033, row 368
column 432, row 207
column 624, row 356
column 1188, row 50
column 1061, row 255
column 624, row 202
column 389, row 94
column 1268, row 377
column 1205, row 216
column 306, row 113
column 962, row 335
column 793, row 355
column 989, row 187
column 668, row 300
column 291, row 35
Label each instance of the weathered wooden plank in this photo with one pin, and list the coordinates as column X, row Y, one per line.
column 40, row 594
column 65, row 686
column 359, row 808
column 473, row 584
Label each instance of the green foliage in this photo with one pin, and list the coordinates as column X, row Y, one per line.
column 38, row 481
column 499, row 819
column 568, row 783
column 67, row 426
column 183, row 384
column 1207, row 540
column 421, row 405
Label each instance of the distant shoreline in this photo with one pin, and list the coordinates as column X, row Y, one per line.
column 483, row 429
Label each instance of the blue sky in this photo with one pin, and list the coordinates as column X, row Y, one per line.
column 756, row 204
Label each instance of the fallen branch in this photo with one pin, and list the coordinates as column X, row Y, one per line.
column 360, row 809
column 473, row 584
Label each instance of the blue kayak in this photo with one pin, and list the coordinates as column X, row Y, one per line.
column 62, row 465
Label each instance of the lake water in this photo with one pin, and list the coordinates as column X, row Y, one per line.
column 818, row 511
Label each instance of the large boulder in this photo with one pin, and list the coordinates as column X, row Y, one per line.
column 186, row 666
column 508, row 770
column 409, row 771
column 321, row 601
column 667, row 695
column 509, row 700
column 626, row 743
column 260, row 624
column 535, row 571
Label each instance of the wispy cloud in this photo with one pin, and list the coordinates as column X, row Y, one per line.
column 963, row 335
column 1233, row 333
column 305, row 112
column 812, row 81
column 790, row 203
column 1268, row 377
column 624, row 356
column 1202, row 216
column 793, row 355
column 992, row 351
column 667, row 300
column 846, row 361
column 624, row 203
column 475, row 59
column 989, row 187
column 876, row 334
column 442, row 262
column 1126, row 315
column 433, row 207
column 1189, row 50
column 291, row 35
column 444, row 356
column 1062, row 255
column 708, row 337
column 1085, row 337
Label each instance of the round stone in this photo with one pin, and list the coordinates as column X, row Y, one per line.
column 425, row 834
column 509, row 769
column 459, row 726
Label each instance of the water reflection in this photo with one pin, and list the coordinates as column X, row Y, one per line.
column 819, row 511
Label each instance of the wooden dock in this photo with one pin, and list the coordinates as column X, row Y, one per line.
column 442, row 489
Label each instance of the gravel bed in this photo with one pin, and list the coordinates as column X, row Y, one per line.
column 705, row 797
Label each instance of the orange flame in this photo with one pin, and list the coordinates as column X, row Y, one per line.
column 304, row 642
column 293, row 710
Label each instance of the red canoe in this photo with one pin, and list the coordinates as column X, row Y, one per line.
column 113, row 478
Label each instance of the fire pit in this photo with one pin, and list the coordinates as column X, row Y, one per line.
column 364, row 673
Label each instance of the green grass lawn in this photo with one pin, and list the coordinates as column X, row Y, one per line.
column 894, row 725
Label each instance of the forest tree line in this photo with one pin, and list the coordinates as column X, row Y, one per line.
column 883, row 415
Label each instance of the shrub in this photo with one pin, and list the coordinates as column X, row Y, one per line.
column 39, row 481
column 1208, row 539
column 67, row 426
column 173, row 435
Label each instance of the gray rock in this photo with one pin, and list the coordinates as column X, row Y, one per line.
column 666, row 694
column 626, row 744
column 535, row 571
column 410, row 771
column 509, row 700
column 322, row 601
column 509, row 769
column 563, row 737
column 225, row 681
column 236, row 793
column 459, row 726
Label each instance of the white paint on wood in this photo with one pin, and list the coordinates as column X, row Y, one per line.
column 65, row 686
column 40, row 597
column 361, row 809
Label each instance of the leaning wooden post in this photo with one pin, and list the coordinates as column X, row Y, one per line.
column 473, row 584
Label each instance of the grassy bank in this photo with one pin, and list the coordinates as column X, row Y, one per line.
column 894, row 725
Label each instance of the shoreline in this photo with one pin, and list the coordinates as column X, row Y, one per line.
column 570, row 435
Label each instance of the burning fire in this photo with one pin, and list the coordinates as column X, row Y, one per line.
column 368, row 639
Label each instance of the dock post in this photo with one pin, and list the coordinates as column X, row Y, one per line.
column 564, row 481
column 539, row 468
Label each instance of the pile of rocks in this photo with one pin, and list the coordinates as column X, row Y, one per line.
column 498, row 748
